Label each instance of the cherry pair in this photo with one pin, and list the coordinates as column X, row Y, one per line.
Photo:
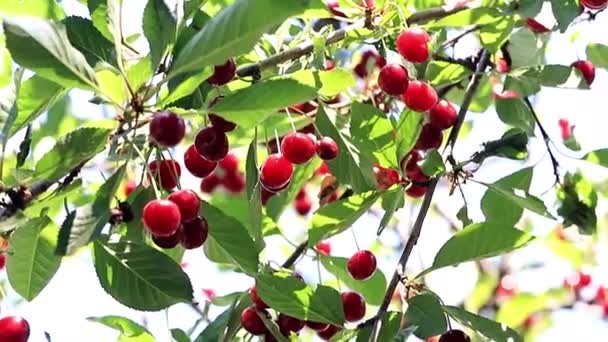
column 228, row 176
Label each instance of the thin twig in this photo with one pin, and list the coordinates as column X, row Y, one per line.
column 455, row 39
column 546, row 139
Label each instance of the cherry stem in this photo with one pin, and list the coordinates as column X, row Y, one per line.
column 290, row 119
column 352, row 231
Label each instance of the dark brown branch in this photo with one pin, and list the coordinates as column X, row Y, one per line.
column 455, row 39
column 546, row 139
column 295, row 255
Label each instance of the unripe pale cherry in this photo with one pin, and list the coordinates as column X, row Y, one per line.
column 419, row 96
column 587, row 69
column 161, row 217
column 14, row 329
column 251, row 321
column 188, row 203
column 211, row 144
column 276, row 172
column 361, row 265
column 454, row 336
column 443, row 115
column 327, row 149
column 167, row 129
column 413, row 45
column 354, row 306
column 393, row 79
column 196, row 164
column 224, row 73
column 194, row 233
column 298, row 148
column 166, row 172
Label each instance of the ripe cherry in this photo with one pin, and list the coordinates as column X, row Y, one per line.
column 361, row 265
column 223, row 73
column 502, row 65
column 565, row 128
column 334, row 8
column 2, row 260
column 413, row 45
column 166, row 172
column 298, row 148
column 430, row 138
column 251, row 321
column 168, row 242
column 287, row 324
column 167, row 129
column 323, row 169
column 14, row 329
column 587, row 69
column 354, row 306
column 188, row 203
column 595, row 4
column 327, row 149
column 393, row 79
column 328, row 332
column 323, row 248
column 416, row 191
column 443, row 115
column 211, row 144
column 234, row 182
column 265, row 195
column 276, row 172
column 161, row 217
column 230, row 163
column 385, row 178
column 209, row 183
column 255, row 298
column 454, row 335
column 303, row 206
column 317, row 326
column 196, row 164
column 194, row 233
column 129, row 187
column 419, row 96
column 535, row 26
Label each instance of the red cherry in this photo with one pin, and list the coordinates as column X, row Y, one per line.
column 393, row 79
column 276, row 172
column 211, row 144
column 230, row 163
column 265, row 195
column 334, row 8
column 316, row 326
column 255, row 298
column 506, row 288
column 196, row 164
column 327, row 149
column 14, row 329
column 454, row 336
column 329, row 65
column 194, row 233
column 287, row 324
column 415, row 174
column 223, row 73
column 430, row 138
column 594, row 4
column 328, row 332
column 385, row 178
column 167, row 172
column 298, row 148
column 188, row 203
column 443, row 115
column 251, row 321
column 2, row 260
column 354, row 306
column 167, row 129
column 502, row 66
column 565, row 128
column 361, row 265
column 209, row 183
column 416, row 191
column 130, row 186
column 535, row 26
column 234, row 182
column 413, row 45
column 302, row 194
column 168, row 242
column 161, row 217
column 323, row 248
column 587, row 69
column 303, row 206
column 323, row 169
column 369, row 4
column 419, row 96
column 410, row 161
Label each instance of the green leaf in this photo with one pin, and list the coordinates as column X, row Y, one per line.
column 227, row 323
column 565, row 11
column 441, row 73
column 514, row 112
column 36, row 96
column 578, row 201
column 32, row 8
column 495, row 34
column 234, row 31
column 520, row 198
column 425, row 312
column 232, row 239
column 373, row 133
column 432, row 165
column 598, row 55
column 187, row 86
column 301, row 174
column 179, row 335
column 137, row 200
column 32, row 262
column 140, row 73
column 24, row 147
column 44, row 47
column 479, row 241
column 88, row 40
column 339, row 216
column 159, row 28
column 599, row 157
column 350, row 167
column 291, row 296
column 489, row 329
column 473, row 16
column 6, row 64
column 408, row 130
column 251, row 167
column 124, row 272
column 526, row 48
column 129, row 330
column 391, row 324
column 73, row 149
column 99, row 16
column 371, row 289
column 392, row 200
column 530, row 8
column 493, row 204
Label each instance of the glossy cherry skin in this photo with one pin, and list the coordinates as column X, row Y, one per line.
column 303, row 206
column 419, row 96
column 161, row 217
column 168, row 242
column 14, row 329
column 413, row 45
column 288, row 324
column 323, row 247
column 196, row 164
column 454, row 335
column 194, row 233
column 443, row 115
column 430, row 138
column 188, row 203
column 166, row 172
column 251, row 321
column 361, row 265
column 385, row 178
column 594, row 4
column 316, row 326
column 328, row 332
column 211, row 144
column 298, row 148
column 234, row 182
column 416, row 191
column 255, row 298
column 167, row 129
column 230, row 163
column 587, row 69
column 327, row 149
column 354, row 306
column 393, row 79
column 535, row 26
column 224, row 73
column 209, row 183
column 276, row 172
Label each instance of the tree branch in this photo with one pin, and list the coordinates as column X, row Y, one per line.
column 426, row 202
column 546, row 139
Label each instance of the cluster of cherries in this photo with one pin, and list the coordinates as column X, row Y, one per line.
column 14, row 329
column 227, row 174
